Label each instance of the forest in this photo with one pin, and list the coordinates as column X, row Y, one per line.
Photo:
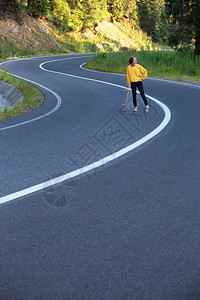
column 172, row 22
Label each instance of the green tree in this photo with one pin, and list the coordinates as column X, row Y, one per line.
column 38, row 7
column 86, row 12
column 131, row 9
column 144, row 14
column 12, row 6
column 152, row 18
column 61, row 11
column 95, row 10
column 159, row 20
column 101, row 9
column 72, row 3
column 117, row 8
column 186, row 15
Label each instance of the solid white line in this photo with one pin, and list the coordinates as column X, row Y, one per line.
column 94, row 71
column 75, row 76
column 59, row 101
column 149, row 78
column 175, row 82
column 98, row 163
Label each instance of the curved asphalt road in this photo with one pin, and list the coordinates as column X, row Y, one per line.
column 127, row 230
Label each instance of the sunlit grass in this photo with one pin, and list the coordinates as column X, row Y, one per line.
column 32, row 97
column 167, row 64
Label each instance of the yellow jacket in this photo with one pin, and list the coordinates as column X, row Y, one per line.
column 135, row 72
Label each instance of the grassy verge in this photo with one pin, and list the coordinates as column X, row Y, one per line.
column 167, row 64
column 69, row 45
column 32, row 97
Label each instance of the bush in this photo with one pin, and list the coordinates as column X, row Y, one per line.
column 38, row 8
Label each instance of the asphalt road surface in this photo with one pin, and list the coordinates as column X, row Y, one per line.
column 96, row 202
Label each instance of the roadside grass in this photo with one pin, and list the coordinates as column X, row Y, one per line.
column 13, row 50
column 167, row 64
column 32, row 97
column 68, row 45
column 73, row 43
column 140, row 41
column 110, row 39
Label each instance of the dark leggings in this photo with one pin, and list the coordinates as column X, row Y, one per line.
column 139, row 85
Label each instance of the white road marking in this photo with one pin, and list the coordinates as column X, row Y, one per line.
column 75, row 76
column 98, row 163
column 59, row 101
column 149, row 78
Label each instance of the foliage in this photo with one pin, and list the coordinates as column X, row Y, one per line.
column 38, row 7
column 12, row 6
column 132, row 10
column 186, row 15
column 32, row 97
column 87, row 13
column 116, row 8
column 168, row 64
column 152, row 18
column 78, row 14
column 61, row 12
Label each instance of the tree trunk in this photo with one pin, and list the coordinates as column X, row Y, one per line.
column 197, row 43
column 127, row 9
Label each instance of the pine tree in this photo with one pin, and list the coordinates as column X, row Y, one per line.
column 61, row 12
column 12, row 6
column 38, row 7
column 117, row 8
column 144, row 14
column 152, row 16
column 159, row 23
column 186, row 15
column 131, row 9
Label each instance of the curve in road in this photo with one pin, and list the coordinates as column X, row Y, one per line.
column 95, row 164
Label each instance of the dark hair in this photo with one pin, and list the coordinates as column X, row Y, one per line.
column 131, row 59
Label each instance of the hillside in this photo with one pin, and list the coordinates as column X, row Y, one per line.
column 26, row 36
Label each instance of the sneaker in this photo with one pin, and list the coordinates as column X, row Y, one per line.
column 135, row 108
column 147, row 108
